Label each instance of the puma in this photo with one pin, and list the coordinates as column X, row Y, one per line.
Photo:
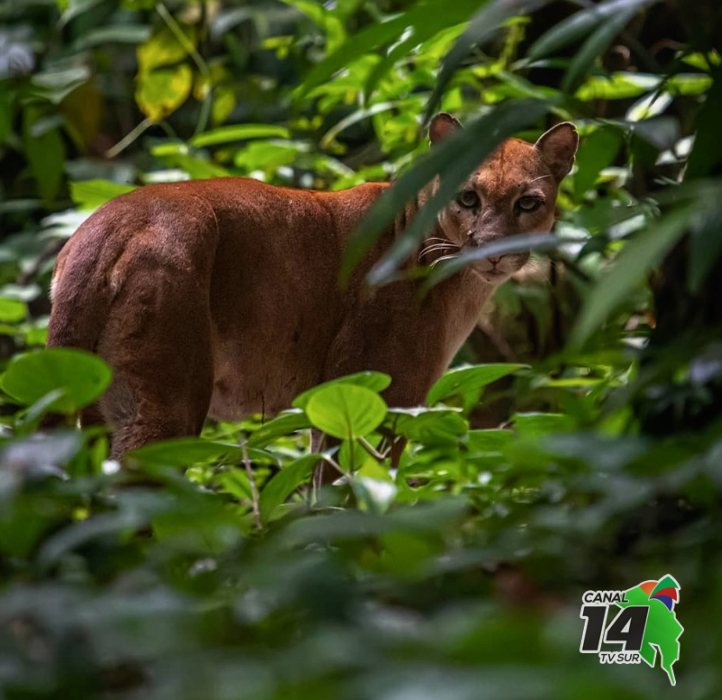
column 221, row 297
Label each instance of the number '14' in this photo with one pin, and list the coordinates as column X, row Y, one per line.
column 627, row 627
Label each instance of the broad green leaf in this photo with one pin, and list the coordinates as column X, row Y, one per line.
column 428, row 425
column 182, row 452
column 283, row 484
column 90, row 194
column 627, row 272
column 81, row 376
column 535, row 424
column 455, row 158
column 228, row 134
column 12, row 311
column 596, row 151
column 56, row 85
column 467, row 380
column 346, row 411
column 488, row 440
column 163, row 49
column 284, row 423
column 375, row 381
column 46, row 153
column 160, row 92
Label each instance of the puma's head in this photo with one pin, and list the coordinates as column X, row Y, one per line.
column 513, row 191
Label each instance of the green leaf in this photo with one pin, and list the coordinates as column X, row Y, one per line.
column 119, row 34
column 627, row 272
column 484, row 25
column 81, row 376
column 705, row 157
column 375, row 381
column 355, row 47
column 454, row 158
column 56, row 85
column 467, row 380
column 596, row 151
column 535, row 424
column 488, row 440
column 428, row 425
column 283, row 484
column 45, row 152
column 580, row 24
column 163, row 49
column 227, row 134
column 90, row 194
column 346, row 411
column 596, row 45
column 12, row 311
column 183, row 452
column 284, row 423
column 160, row 92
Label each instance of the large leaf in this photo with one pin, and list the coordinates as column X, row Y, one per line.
column 466, row 380
column 596, row 151
column 376, row 381
column 45, row 151
column 160, row 92
column 163, row 49
column 346, row 411
column 12, row 310
column 428, row 426
column 81, row 376
column 454, row 159
column 284, row 423
column 283, row 484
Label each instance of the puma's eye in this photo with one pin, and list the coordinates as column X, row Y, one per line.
column 527, row 204
column 468, row 199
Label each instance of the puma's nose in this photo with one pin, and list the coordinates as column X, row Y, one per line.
column 495, row 261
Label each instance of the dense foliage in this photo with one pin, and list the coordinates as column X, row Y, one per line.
column 575, row 445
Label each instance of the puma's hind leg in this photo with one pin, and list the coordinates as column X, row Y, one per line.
column 157, row 341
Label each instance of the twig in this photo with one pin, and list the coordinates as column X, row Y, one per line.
column 202, row 66
column 376, row 454
column 255, row 507
column 131, row 136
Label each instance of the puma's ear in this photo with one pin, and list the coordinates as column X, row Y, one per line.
column 557, row 147
column 441, row 126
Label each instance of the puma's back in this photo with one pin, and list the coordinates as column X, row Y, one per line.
column 221, row 297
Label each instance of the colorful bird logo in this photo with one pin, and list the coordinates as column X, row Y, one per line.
column 665, row 590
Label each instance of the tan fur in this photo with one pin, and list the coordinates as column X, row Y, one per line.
column 220, row 297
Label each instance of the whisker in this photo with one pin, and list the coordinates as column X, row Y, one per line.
column 439, row 246
column 434, row 247
column 442, row 258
